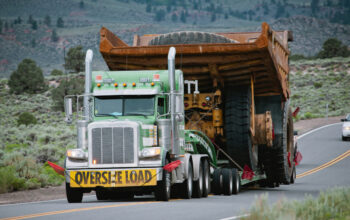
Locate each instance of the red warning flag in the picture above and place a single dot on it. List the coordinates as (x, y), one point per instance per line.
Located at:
(247, 173)
(295, 113)
(58, 169)
(298, 158)
(172, 166)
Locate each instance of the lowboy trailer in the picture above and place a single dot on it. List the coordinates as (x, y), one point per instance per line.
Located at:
(220, 121)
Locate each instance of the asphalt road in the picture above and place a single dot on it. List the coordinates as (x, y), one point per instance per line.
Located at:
(318, 148)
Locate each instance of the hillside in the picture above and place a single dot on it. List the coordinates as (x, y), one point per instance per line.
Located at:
(82, 19)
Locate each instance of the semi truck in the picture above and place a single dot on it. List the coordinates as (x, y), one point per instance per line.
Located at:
(183, 114)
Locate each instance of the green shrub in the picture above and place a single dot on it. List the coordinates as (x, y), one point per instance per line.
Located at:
(26, 118)
(56, 72)
(9, 181)
(317, 85)
(27, 78)
(308, 115)
(333, 48)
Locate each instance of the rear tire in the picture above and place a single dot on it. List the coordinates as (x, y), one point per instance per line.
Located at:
(187, 185)
(227, 182)
(206, 179)
(236, 179)
(74, 195)
(198, 185)
(217, 184)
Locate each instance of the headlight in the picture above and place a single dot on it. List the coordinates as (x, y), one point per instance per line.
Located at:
(150, 152)
(207, 98)
(346, 128)
(77, 154)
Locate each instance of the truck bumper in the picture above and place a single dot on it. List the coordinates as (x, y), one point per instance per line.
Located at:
(113, 178)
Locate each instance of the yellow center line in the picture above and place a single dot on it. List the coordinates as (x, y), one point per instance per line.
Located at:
(325, 165)
(75, 210)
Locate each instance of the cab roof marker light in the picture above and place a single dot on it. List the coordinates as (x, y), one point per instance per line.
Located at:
(133, 84)
(98, 84)
(115, 84)
(124, 84)
(152, 83)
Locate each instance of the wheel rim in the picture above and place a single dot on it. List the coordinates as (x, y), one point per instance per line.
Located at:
(237, 183)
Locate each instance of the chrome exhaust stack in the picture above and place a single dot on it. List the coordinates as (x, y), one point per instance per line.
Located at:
(171, 71)
(88, 61)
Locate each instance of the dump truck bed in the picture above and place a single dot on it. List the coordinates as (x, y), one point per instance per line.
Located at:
(262, 56)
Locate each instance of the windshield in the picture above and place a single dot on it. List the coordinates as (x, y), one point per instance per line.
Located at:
(124, 105)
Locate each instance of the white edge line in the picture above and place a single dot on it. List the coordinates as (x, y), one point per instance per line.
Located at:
(44, 201)
(316, 129)
(235, 217)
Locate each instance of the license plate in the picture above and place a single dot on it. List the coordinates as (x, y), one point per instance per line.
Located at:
(113, 178)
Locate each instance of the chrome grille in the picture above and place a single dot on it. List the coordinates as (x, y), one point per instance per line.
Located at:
(113, 145)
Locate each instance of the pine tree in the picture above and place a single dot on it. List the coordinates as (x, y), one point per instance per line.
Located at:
(60, 23)
(1, 26)
(47, 20)
(183, 17)
(34, 25)
(28, 77)
(30, 19)
(81, 5)
(314, 6)
(54, 36)
(149, 8)
(75, 59)
(174, 17)
(213, 17)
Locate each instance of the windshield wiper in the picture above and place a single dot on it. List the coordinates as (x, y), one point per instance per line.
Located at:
(110, 114)
(137, 114)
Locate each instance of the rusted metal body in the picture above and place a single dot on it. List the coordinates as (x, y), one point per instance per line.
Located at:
(261, 55)
(258, 60)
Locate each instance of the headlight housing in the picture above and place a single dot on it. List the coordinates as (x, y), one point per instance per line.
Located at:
(346, 128)
(77, 154)
(150, 152)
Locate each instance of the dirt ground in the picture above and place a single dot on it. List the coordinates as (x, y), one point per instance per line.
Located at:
(51, 193)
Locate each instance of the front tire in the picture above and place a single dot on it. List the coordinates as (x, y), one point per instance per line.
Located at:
(163, 191)
(74, 195)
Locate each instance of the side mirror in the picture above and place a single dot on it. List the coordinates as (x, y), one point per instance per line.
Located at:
(343, 119)
(295, 133)
(68, 109)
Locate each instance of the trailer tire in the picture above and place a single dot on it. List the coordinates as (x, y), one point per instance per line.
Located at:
(163, 191)
(198, 185)
(189, 37)
(294, 176)
(187, 185)
(217, 184)
(283, 164)
(237, 126)
(74, 195)
(236, 179)
(227, 181)
(206, 179)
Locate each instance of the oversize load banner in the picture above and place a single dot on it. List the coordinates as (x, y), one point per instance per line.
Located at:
(115, 178)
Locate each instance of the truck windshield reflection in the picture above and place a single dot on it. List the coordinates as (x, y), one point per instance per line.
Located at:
(124, 105)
